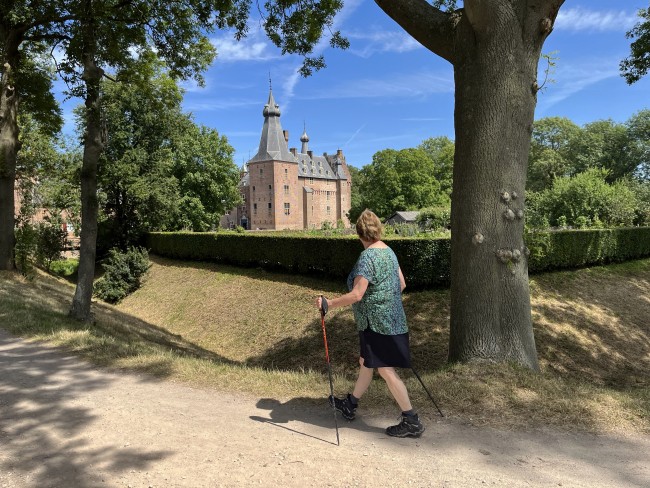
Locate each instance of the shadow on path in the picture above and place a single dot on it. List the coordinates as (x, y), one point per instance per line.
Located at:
(42, 439)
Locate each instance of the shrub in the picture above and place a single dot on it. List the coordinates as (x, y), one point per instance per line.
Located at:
(435, 218)
(583, 200)
(425, 262)
(25, 248)
(123, 272)
(50, 243)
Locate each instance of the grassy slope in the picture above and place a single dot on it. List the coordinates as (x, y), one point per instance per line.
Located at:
(250, 330)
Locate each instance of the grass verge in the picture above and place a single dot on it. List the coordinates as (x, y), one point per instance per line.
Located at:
(254, 331)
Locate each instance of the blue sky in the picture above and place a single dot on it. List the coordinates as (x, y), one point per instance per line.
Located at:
(387, 91)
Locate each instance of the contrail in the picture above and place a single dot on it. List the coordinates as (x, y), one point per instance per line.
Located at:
(353, 136)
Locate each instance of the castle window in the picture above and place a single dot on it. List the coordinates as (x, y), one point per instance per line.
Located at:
(328, 210)
(255, 209)
(311, 181)
(327, 196)
(286, 171)
(286, 189)
(327, 172)
(270, 187)
(253, 187)
(320, 171)
(287, 208)
(261, 171)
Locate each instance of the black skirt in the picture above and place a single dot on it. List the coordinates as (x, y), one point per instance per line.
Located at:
(384, 351)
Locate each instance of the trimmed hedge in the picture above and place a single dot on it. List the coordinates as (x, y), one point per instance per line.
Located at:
(425, 262)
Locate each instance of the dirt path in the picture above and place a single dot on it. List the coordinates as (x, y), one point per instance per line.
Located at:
(64, 423)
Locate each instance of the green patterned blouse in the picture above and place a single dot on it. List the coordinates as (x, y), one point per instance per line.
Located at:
(381, 306)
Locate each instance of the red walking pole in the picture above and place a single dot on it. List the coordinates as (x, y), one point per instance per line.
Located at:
(323, 311)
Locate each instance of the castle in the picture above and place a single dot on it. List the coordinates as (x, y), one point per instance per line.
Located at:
(286, 189)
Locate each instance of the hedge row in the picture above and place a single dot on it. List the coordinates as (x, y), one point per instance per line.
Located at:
(425, 262)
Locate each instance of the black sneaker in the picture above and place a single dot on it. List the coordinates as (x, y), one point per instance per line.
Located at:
(344, 405)
(409, 426)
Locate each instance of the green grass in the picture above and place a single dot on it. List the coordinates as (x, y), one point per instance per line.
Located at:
(254, 331)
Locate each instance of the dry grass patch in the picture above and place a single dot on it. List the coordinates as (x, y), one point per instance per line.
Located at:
(255, 331)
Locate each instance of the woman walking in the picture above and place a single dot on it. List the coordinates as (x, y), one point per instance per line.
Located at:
(375, 292)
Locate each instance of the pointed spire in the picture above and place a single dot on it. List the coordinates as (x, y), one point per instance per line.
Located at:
(273, 146)
(304, 138)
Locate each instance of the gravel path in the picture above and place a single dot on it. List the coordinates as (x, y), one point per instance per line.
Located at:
(64, 423)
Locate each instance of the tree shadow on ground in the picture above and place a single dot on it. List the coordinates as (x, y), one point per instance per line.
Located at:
(134, 336)
(307, 411)
(42, 433)
(607, 342)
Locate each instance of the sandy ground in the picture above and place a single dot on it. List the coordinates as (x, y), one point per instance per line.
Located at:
(64, 423)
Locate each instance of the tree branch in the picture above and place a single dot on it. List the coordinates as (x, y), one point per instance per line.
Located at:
(428, 25)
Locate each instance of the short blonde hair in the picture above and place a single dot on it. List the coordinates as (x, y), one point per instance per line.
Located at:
(369, 227)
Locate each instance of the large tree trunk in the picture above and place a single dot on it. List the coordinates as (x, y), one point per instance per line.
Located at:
(495, 76)
(9, 147)
(494, 46)
(93, 147)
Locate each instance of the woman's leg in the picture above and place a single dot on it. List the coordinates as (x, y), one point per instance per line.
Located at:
(363, 380)
(396, 387)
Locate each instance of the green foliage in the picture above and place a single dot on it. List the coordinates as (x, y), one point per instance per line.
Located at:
(424, 262)
(38, 244)
(50, 243)
(584, 200)
(296, 27)
(123, 273)
(25, 248)
(207, 177)
(634, 67)
(577, 248)
(435, 218)
(64, 267)
(441, 150)
(641, 190)
(399, 180)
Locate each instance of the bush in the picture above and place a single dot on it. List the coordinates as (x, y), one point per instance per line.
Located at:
(123, 272)
(425, 262)
(38, 244)
(435, 218)
(583, 200)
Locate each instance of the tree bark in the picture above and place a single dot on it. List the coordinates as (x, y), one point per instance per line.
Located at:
(9, 146)
(496, 49)
(93, 146)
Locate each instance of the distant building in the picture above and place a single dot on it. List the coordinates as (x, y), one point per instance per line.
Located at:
(404, 217)
(286, 189)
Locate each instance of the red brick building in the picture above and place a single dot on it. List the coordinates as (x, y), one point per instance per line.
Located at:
(286, 189)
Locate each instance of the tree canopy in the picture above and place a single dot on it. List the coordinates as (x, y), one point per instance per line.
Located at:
(636, 65)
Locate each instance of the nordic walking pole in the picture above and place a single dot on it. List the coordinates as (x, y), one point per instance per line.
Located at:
(323, 311)
(425, 389)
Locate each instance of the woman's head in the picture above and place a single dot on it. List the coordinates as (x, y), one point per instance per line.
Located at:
(369, 227)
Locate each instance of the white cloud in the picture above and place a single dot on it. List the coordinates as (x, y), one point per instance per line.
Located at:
(230, 50)
(580, 19)
(381, 42)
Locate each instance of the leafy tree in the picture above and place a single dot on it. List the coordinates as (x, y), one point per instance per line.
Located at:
(638, 127)
(400, 180)
(137, 189)
(585, 200)
(357, 202)
(441, 151)
(207, 177)
(604, 144)
(634, 67)
(494, 47)
(25, 81)
(550, 156)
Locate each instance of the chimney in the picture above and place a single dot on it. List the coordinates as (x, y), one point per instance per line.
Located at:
(310, 153)
(293, 150)
(285, 133)
(339, 152)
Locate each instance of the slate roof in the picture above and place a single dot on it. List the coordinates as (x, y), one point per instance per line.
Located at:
(273, 147)
(406, 216)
